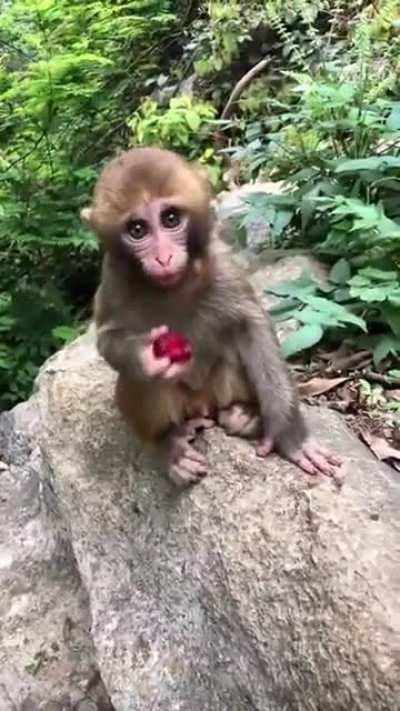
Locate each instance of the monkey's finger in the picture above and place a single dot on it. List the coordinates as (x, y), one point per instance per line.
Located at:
(186, 473)
(159, 366)
(158, 331)
(174, 371)
(199, 468)
(194, 455)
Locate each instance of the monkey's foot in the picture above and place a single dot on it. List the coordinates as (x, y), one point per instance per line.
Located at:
(239, 420)
(314, 459)
(310, 457)
(187, 465)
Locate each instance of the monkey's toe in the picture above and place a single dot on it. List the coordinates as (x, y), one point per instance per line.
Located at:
(315, 460)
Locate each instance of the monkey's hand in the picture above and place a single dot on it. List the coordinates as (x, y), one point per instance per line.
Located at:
(161, 368)
(309, 456)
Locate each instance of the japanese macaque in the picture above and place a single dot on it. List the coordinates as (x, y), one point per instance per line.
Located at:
(163, 271)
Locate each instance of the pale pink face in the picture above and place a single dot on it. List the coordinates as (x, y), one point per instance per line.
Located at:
(156, 235)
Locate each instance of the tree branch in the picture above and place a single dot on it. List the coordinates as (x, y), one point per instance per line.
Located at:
(241, 86)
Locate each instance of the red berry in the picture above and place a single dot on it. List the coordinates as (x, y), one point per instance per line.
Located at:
(173, 345)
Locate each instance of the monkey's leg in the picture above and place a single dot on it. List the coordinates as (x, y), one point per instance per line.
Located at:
(237, 409)
(156, 412)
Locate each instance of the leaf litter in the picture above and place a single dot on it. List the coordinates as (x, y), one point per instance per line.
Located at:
(369, 399)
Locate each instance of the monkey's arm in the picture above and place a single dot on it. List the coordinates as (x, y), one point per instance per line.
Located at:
(120, 348)
(119, 342)
(267, 371)
(284, 427)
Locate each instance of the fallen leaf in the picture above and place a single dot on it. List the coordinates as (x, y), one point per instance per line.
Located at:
(381, 447)
(318, 386)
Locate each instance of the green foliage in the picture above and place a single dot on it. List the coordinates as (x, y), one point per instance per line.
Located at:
(368, 301)
(183, 126)
(70, 76)
(334, 135)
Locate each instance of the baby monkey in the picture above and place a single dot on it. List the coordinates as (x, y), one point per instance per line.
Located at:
(163, 271)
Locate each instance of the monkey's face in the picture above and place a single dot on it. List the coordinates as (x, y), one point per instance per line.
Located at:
(156, 236)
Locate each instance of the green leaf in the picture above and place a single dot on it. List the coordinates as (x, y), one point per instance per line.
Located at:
(385, 346)
(311, 316)
(332, 309)
(393, 120)
(373, 163)
(193, 120)
(369, 293)
(284, 310)
(295, 288)
(340, 272)
(392, 315)
(378, 274)
(282, 219)
(65, 334)
(302, 339)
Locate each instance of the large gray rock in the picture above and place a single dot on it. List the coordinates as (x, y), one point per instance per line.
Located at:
(253, 590)
(47, 658)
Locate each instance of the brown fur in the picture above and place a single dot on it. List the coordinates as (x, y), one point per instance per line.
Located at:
(162, 173)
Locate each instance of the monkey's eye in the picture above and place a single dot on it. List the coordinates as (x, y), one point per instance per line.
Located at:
(170, 218)
(137, 228)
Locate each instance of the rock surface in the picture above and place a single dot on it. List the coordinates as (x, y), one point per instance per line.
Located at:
(231, 205)
(251, 591)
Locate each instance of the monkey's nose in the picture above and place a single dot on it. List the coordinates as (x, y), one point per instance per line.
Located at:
(164, 261)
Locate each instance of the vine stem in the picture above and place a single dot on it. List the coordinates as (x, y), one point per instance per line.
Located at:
(241, 86)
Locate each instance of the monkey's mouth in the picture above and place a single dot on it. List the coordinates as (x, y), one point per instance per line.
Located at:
(170, 279)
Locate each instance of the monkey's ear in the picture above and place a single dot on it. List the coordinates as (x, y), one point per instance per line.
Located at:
(86, 216)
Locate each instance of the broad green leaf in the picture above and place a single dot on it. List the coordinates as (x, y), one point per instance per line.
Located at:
(302, 339)
(282, 219)
(311, 316)
(385, 346)
(283, 310)
(392, 316)
(378, 274)
(359, 281)
(65, 334)
(393, 120)
(341, 295)
(337, 310)
(295, 288)
(370, 294)
(340, 272)
(373, 163)
(193, 120)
